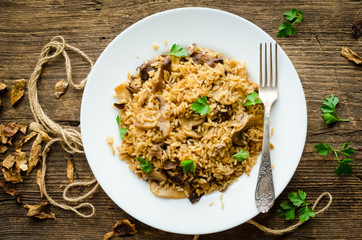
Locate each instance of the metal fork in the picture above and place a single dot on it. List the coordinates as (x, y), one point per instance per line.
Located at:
(268, 93)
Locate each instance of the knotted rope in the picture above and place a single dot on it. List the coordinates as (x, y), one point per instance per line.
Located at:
(293, 227)
(70, 138)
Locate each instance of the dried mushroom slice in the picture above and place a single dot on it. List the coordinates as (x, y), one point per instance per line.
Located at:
(8, 162)
(122, 227)
(350, 55)
(25, 140)
(34, 126)
(70, 170)
(21, 162)
(34, 154)
(10, 188)
(40, 211)
(17, 91)
(23, 128)
(60, 88)
(10, 129)
(39, 182)
(2, 87)
(12, 175)
(3, 148)
(3, 139)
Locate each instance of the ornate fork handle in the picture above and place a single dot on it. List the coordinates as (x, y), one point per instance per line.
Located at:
(264, 194)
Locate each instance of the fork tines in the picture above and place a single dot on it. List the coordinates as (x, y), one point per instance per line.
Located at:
(268, 77)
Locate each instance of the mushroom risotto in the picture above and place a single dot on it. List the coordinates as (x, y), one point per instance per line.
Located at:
(191, 122)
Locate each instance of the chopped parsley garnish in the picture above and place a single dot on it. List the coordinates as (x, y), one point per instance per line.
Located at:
(201, 106)
(344, 166)
(188, 165)
(122, 130)
(242, 155)
(296, 200)
(252, 99)
(145, 165)
(178, 51)
(287, 28)
(329, 110)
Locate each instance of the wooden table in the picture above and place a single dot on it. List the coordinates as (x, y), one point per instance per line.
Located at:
(26, 26)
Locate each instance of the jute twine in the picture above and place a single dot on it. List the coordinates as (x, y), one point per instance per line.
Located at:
(71, 138)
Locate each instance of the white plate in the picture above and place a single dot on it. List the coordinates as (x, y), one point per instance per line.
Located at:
(217, 30)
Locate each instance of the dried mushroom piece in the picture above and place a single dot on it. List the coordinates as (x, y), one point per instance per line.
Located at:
(2, 87)
(25, 140)
(17, 91)
(21, 162)
(8, 162)
(70, 170)
(3, 148)
(34, 126)
(40, 211)
(10, 129)
(39, 181)
(357, 28)
(34, 154)
(3, 139)
(60, 88)
(10, 188)
(12, 175)
(23, 128)
(122, 227)
(350, 55)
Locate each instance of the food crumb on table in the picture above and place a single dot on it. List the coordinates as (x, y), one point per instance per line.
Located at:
(165, 41)
(222, 205)
(211, 204)
(221, 196)
(155, 46)
(272, 166)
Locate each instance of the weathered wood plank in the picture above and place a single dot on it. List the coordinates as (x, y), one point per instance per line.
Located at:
(26, 26)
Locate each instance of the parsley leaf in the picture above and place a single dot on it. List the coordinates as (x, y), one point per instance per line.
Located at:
(178, 51)
(287, 28)
(188, 166)
(297, 200)
(201, 106)
(323, 148)
(252, 99)
(242, 155)
(145, 165)
(122, 130)
(305, 212)
(329, 110)
(343, 165)
(286, 211)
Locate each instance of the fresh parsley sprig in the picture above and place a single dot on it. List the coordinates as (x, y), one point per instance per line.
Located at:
(252, 99)
(178, 51)
(344, 165)
(122, 130)
(296, 200)
(241, 155)
(188, 166)
(200, 106)
(287, 28)
(329, 110)
(145, 165)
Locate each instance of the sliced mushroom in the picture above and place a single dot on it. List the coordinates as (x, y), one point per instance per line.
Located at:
(165, 66)
(156, 151)
(194, 198)
(242, 120)
(201, 58)
(120, 106)
(188, 124)
(169, 165)
(154, 175)
(145, 68)
(165, 126)
(147, 119)
(122, 93)
(166, 193)
(132, 86)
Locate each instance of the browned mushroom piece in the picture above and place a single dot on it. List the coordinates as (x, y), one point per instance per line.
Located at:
(156, 151)
(165, 126)
(193, 197)
(244, 123)
(166, 193)
(132, 86)
(122, 93)
(147, 119)
(188, 124)
(165, 66)
(242, 120)
(169, 165)
(201, 58)
(154, 175)
(145, 68)
(164, 123)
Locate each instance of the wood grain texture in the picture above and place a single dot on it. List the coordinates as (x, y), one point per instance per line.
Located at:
(26, 26)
